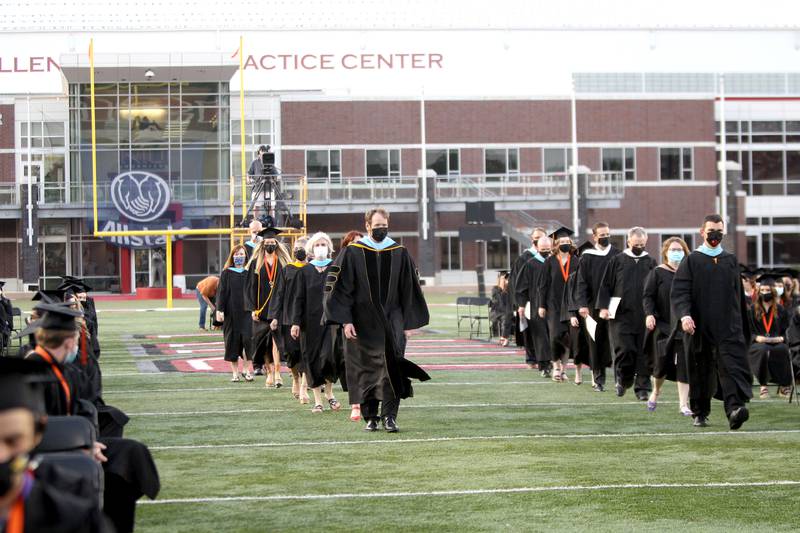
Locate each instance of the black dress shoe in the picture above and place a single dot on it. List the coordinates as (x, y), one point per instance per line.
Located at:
(545, 373)
(372, 425)
(390, 425)
(258, 372)
(738, 417)
(700, 422)
(642, 396)
(597, 387)
(620, 389)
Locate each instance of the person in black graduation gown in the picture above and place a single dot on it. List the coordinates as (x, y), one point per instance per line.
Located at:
(624, 279)
(34, 498)
(263, 271)
(769, 354)
(127, 464)
(373, 292)
(500, 314)
(80, 289)
(658, 318)
(322, 357)
(552, 284)
(793, 341)
(251, 244)
(6, 319)
(279, 313)
(237, 324)
(591, 267)
(518, 276)
(527, 297)
(708, 299)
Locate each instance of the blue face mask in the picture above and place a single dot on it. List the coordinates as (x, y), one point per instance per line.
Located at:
(675, 256)
(71, 356)
(238, 261)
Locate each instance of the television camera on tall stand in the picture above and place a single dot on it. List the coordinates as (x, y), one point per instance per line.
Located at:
(268, 196)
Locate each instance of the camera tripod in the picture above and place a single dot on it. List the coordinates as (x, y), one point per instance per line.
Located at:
(274, 201)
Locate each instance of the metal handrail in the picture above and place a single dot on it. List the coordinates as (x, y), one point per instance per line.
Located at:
(357, 189)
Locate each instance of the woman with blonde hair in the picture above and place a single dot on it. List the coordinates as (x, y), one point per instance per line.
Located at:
(237, 325)
(280, 316)
(656, 303)
(322, 355)
(263, 271)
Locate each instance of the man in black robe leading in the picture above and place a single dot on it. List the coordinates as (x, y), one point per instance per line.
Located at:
(707, 298)
(373, 291)
(588, 277)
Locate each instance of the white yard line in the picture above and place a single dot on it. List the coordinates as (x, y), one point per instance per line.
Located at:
(407, 406)
(474, 492)
(244, 386)
(568, 436)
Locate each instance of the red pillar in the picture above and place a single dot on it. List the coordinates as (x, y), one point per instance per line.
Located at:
(126, 286)
(177, 257)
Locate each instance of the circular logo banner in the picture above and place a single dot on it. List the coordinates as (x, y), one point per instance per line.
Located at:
(140, 196)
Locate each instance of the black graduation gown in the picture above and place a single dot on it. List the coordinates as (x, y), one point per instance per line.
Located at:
(6, 322)
(527, 291)
(50, 509)
(770, 362)
(656, 302)
(129, 472)
(709, 289)
(500, 312)
(591, 268)
(321, 358)
(578, 336)
(237, 326)
(90, 316)
(259, 290)
(793, 340)
(377, 291)
(513, 279)
(280, 308)
(551, 297)
(249, 248)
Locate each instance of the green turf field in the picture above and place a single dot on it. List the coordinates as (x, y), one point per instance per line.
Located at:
(477, 451)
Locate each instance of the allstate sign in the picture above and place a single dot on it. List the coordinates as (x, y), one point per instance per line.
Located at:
(140, 196)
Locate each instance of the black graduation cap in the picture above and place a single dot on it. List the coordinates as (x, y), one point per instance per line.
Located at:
(58, 317)
(563, 231)
(74, 285)
(748, 271)
(787, 272)
(269, 233)
(587, 245)
(30, 329)
(2, 284)
(21, 382)
(49, 295)
(769, 277)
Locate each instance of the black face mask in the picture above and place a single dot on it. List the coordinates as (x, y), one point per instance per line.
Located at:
(8, 470)
(714, 237)
(637, 250)
(564, 248)
(545, 254)
(270, 248)
(378, 234)
(603, 241)
(300, 254)
(767, 296)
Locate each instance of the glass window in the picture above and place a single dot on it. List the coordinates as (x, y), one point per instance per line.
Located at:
(793, 171)
(498, 161)
(785, 248)
(497, 254)
(450, 248)
(620, 160)
(676, 163)
(767, 172)
(445, 162)
(323, 163)
(383, 163)
(556, 159)
(767, 131)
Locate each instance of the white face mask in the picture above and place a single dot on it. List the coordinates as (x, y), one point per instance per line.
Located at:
(320, 252)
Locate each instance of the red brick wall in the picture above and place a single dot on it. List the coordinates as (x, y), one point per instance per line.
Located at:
(338, 123)
(645, 120)
(7, 170)
(497, 121)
